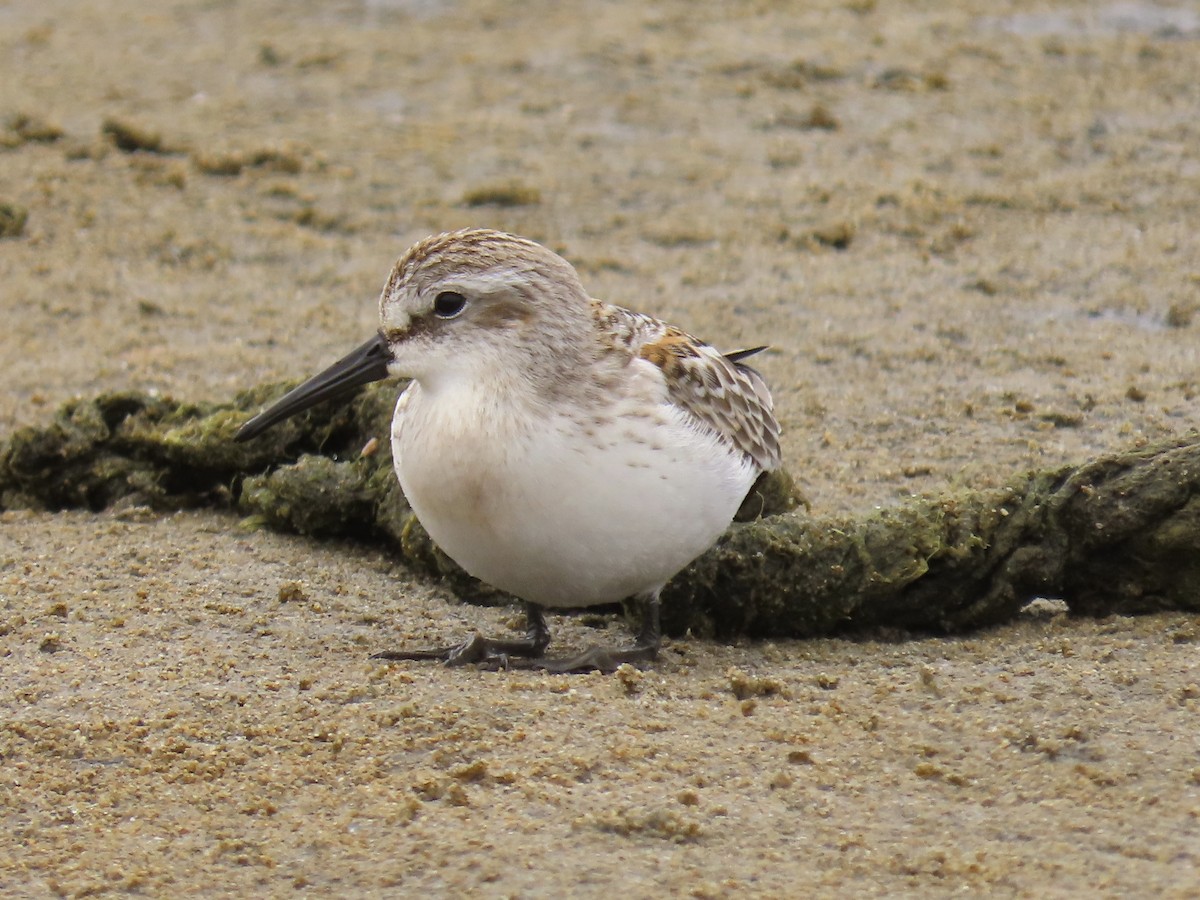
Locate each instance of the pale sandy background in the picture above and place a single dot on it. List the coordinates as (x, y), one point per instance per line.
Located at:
(970, 233)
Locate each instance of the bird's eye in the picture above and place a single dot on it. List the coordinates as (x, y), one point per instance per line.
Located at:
(449, 304)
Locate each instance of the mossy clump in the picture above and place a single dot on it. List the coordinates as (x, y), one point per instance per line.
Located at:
(505, 194)
(131, 138)
(32, 129)
(12, 220)
(316, 496)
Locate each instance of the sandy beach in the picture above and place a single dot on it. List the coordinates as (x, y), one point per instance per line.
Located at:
(969, 235)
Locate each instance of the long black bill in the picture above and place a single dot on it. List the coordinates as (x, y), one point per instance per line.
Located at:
(366, 364)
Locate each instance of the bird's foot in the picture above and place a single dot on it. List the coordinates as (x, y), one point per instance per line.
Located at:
(488, 652)
(594, 659)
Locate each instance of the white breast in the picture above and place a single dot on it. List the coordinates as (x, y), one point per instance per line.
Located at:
(563, 510)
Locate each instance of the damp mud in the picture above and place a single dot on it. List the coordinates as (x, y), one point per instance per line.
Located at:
(968, 234)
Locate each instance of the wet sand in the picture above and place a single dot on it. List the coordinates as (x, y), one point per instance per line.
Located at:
(969, 236)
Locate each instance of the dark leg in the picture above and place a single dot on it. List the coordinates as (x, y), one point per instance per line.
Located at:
(491, 651)
(644, 650)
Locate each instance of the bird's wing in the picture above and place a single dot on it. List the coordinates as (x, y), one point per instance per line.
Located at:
(720, 392)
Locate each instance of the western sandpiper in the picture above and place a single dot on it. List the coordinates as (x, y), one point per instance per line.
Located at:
(562, 449)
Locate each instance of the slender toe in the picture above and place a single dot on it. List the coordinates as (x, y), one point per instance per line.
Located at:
(494, 652)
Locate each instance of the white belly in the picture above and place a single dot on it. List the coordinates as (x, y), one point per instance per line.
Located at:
(563, 517)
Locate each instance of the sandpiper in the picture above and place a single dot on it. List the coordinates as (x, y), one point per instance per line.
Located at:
(562, 449)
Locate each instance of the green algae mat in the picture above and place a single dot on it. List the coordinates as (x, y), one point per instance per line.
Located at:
(1118, 534)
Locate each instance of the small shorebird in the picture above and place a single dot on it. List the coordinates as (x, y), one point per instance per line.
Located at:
(567, 451)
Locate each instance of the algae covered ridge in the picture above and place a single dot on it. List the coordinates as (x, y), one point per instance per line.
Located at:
(1119, 534)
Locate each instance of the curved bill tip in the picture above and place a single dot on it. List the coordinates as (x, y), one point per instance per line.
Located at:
(362, 366)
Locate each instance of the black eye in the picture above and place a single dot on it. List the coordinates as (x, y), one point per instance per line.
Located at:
(449, 304)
